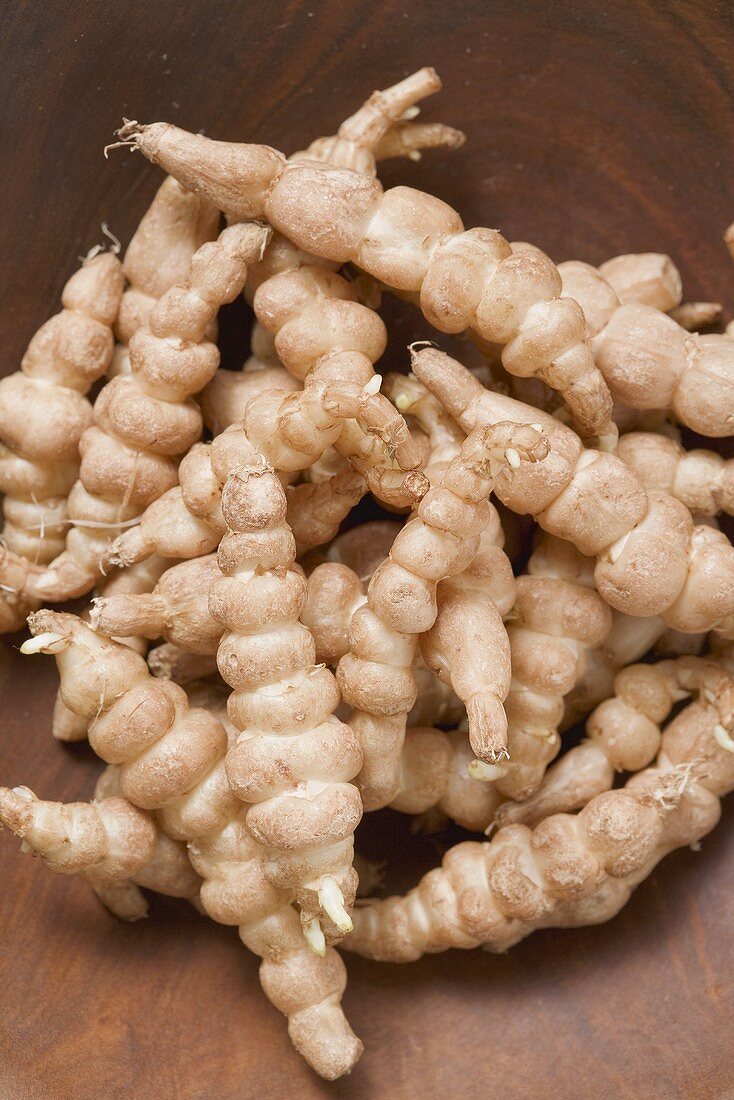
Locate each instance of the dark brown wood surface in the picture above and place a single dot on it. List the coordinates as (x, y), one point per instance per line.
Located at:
(594, 128)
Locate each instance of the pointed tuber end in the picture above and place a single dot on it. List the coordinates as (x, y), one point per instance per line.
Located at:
(43, 643)
(314, 937)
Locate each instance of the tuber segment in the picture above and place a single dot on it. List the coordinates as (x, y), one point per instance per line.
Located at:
(294, 759)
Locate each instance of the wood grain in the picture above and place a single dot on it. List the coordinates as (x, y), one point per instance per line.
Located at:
(594, 128)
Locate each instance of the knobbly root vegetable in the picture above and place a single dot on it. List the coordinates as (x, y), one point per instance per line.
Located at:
(138, 723)
(650, 559)
(146, 420)
(158, 256)
(433, 771)
(338, 587)
(433, 767)
(467, 645)
(319, 328)
(555, 619)
(647, 278)
(702, 480)
(408, 240)
(569, 870)
(186, 522)
(243, 796)
(142, 578)
(440, 541)
(623, 735)
(339, 337)
(316, 510)
(382, 128)
(177, 609)
(305, 986)
(175, 225)
(112, 844)
(649, 361)
(436, 775)
(43, 415)
(629, 639)
(171, 759)
(292, 431)
(294, 759)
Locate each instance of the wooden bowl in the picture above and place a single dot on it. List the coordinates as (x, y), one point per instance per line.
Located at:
(593, 129)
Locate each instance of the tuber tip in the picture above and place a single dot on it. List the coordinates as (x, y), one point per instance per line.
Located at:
(42, 643)
(314, 937)
(331, 901)
(487, 773)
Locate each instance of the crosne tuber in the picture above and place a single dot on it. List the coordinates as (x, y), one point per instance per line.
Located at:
(463, 638)
(337, 587)
(169, 662)
(321, 332)
(648, 278)
(294, 759)
(158, 256)
(702, 480)
(141, 578)
(628, 641)
(303, 304)
(467, 645)
(177, 607)
(44, 413)
(223, 400)
(111, 843)
(554, 618)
